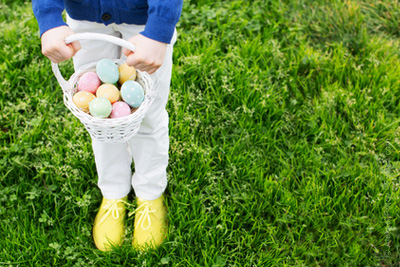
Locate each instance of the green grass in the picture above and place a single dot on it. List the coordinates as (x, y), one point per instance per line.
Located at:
(285, 141)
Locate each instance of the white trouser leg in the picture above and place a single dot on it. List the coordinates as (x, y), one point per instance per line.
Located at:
(150, 146)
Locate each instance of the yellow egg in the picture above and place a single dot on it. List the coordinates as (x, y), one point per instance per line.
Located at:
(108, 91)
(126, 73)
(82, 100)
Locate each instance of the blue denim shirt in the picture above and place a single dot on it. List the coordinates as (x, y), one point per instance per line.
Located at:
(159, 16)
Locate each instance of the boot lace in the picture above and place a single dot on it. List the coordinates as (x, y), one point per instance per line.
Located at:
(143, 211)
(112, 208)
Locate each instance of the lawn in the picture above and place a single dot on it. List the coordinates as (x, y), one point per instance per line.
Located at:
(285, 141)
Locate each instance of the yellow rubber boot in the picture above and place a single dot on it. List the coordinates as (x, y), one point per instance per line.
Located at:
(150, 223)
(108, 229)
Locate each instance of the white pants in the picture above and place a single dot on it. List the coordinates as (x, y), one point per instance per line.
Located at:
(149, 148)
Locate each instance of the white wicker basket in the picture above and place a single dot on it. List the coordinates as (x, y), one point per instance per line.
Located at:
(117, 130)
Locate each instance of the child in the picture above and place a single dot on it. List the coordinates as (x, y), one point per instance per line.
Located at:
(150, 25)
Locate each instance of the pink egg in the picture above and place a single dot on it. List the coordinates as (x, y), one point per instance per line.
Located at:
(120, 109)
(89, 82)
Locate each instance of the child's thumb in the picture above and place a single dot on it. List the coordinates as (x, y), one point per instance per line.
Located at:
(76, 46)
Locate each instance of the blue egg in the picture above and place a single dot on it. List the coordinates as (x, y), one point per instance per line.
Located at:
(132, 93)
(107, 71)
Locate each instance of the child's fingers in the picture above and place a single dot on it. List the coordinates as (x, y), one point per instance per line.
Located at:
(60, 53)
(58, 57)
(144, 64)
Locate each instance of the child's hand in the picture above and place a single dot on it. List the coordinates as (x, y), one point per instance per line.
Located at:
(54, 47)
(148, 56)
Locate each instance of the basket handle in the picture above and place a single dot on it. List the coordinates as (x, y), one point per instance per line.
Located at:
(100, 37)
(89, 36)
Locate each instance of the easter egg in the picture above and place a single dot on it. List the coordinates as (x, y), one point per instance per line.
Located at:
(108, 91)
(107, 71)
(126, 73)
(82, 99)
(120, 109)
(100, 107)
(132, 93)
(89, 82)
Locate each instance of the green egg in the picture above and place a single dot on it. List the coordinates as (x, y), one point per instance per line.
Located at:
(100, 107)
